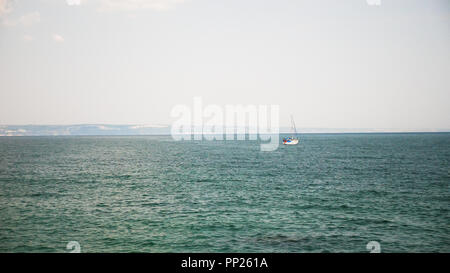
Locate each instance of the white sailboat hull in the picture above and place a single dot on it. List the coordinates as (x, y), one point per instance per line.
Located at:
(292, 142)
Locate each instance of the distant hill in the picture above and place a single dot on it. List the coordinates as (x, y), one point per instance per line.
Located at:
(111, 130)
(83, 129)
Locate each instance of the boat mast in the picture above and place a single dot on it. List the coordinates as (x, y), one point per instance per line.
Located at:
(293, 126)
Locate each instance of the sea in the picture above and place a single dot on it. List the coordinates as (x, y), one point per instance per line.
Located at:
(329, 193)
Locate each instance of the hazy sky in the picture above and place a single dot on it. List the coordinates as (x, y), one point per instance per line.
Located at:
(334, 64)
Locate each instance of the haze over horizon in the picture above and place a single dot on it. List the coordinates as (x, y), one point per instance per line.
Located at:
(331, 64)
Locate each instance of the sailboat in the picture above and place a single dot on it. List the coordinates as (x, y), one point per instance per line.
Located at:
(291, 140)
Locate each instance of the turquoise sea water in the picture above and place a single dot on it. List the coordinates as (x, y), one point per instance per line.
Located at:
(330, 193)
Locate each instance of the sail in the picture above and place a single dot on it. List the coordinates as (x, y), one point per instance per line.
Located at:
(293, 126)
(291, 140)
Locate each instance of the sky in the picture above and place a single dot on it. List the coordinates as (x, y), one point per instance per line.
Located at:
(330, 64)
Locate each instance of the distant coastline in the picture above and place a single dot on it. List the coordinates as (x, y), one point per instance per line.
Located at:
(124, 130)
